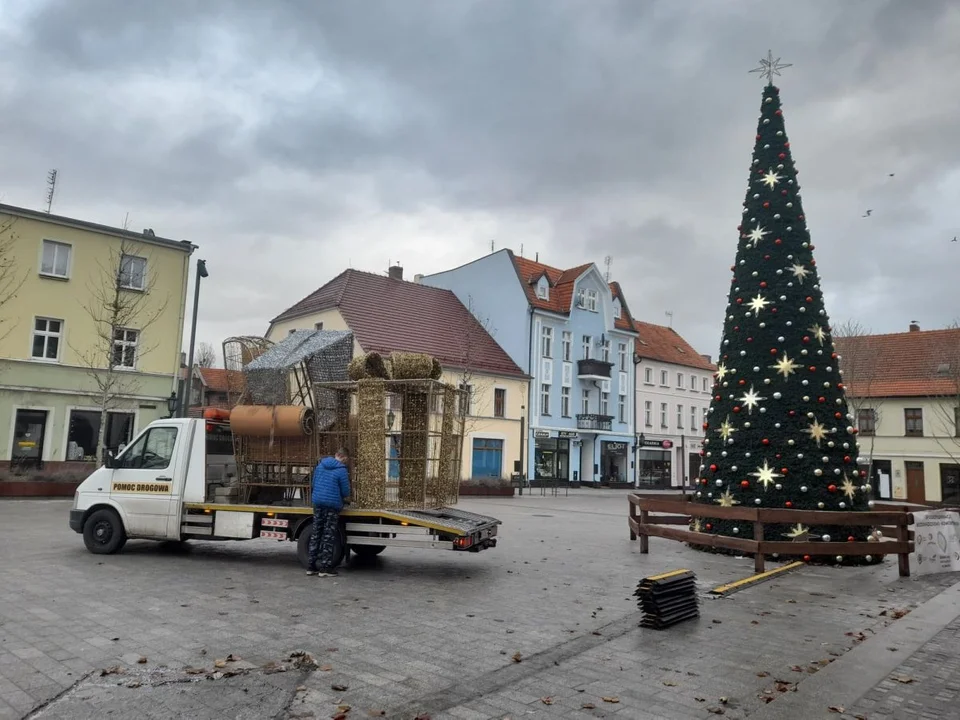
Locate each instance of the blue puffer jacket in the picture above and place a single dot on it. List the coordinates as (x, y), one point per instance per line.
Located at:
(331, 484)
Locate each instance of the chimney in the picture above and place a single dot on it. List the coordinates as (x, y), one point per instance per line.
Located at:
(914, 327)
(395, 272)
(707, 358)
(418, 278)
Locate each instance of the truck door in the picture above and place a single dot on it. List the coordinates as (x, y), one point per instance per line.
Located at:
(143, 482)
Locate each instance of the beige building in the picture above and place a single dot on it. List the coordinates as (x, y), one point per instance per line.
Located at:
(904, 390)
(386, 314)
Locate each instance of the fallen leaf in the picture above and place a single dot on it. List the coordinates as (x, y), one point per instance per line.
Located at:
(326, 668)
(547, 700)
(836, 709)
(194, 671)
(142, 660)
(767, 698)
(516, 657)
(219, 663)
(716, 710)
(897, 614)
(792, 602)
(376, 713)
(114, 639)
(339, 716)
(754, 622)
(338, 687)
(217, 675)
(904, 679)
(233, 658)
(203, 651)
(796, 668)
(343, 708)
(763, 673)
(301, 688)
(613, 700)
(716, 622)
(133, 684)
(115, 670)
(588, 706)
(669, 684)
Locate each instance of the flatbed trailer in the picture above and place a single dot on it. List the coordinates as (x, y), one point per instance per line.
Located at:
(157, 489)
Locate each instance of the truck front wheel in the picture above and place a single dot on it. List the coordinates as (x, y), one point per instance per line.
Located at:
(303, 545)
(103, 532)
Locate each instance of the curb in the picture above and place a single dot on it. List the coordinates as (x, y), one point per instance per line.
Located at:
(849, 678)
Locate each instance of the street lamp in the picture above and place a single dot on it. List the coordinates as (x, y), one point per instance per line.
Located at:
(391, 418)
(172, 402)
(201, 273)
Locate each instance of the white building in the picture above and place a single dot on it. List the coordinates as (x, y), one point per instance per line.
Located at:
(674, 383)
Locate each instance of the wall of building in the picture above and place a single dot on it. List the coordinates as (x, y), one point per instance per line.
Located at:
(490, 288)
(938, 450)
(684, 434)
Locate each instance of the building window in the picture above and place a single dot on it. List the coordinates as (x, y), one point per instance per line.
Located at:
(867, 421)
(125, 348)
(544, 399)
(133, 272)
(622, 408)
(46, 339)
(83, 433)
(466, 399)
(546, 342)
(587, 344)
(565, 402)
(664, 378)
(706, 384)
(543, 289)
(566, 341)
(679, 417)
(663, 415)
(499, 402)
(648, 376)
(950, 484)
(648, 413)
(913, 418)
(693, 417)
(585, 403)
(604, 403)
(55, 261)
(693, 382)
(680, 381)
(622, 354)
(605, 351)
(318, 326)
(703, 416)
(616, 309)
(587, 300)
(487, 457)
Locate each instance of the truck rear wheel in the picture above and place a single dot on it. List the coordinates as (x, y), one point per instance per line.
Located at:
(303, 545)
(103, 532)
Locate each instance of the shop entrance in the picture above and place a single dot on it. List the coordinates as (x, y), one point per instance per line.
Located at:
(613, 462)
(552, 459)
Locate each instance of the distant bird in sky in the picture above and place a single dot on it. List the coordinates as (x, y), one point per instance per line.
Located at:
(868, 213)
(954, 239)
(890, 175)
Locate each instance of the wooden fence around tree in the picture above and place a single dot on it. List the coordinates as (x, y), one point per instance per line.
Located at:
(679, 511)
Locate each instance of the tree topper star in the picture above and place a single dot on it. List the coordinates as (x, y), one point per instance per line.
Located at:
(817, 432)
(799, 272)
(770, 67)
(758, 303)
(785, 366)
(818, 332)
(765, 475)
(751, 399)
(848, 488)
(756, 235)
(771, 179)
(726, 499)
(726, 429)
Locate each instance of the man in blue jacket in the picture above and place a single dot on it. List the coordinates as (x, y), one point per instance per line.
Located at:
(331, 487)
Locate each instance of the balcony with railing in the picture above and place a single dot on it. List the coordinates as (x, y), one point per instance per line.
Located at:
(593, 369)
(592, 421)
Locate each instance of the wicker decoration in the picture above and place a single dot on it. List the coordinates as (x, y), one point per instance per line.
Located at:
(412, 366)
(370, 469)
(367, 366)
(443, 485)
(414, 431)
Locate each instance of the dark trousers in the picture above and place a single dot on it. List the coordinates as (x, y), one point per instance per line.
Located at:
(324, 538)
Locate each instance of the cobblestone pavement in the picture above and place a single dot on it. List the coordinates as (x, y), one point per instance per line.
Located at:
(926, 685)
(417, 631)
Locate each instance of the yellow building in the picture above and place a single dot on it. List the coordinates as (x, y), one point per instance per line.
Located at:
(91, 319)
(386, 314)
(904, 390)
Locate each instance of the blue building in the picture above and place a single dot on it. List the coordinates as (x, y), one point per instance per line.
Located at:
(572, 332)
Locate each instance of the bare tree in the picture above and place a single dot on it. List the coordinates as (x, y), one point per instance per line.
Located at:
(860, 365)
(479, 390)
(123, 306)
(11, 280)
(946, 404)
(205, 355)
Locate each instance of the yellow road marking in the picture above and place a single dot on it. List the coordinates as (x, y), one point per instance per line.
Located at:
(740, 584)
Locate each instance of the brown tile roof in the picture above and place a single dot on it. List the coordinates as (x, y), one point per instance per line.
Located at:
(908, 364)
(220, 380)
(562, 284)
(664, 344)
(386, 315)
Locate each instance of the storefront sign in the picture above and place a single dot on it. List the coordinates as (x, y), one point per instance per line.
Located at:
(568, 434)
(665, 444)
(616, 446)
(541, 433)
(937, 542)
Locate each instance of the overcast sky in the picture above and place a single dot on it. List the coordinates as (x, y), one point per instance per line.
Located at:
(292, 139)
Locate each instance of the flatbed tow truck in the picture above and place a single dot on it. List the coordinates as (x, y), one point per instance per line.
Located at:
(159, 488)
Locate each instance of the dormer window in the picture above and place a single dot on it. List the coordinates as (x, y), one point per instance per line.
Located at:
(587, 300)
(616, 308)
(543, 288)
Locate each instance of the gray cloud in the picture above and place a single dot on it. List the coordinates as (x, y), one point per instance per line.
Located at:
(294, 138)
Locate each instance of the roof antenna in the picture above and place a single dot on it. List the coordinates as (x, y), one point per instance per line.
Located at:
(521, 249)
(669, 314)
(607, 261)
(491, 246)
(51, 188)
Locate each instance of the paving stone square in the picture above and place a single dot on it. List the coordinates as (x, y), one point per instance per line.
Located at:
(418, 632)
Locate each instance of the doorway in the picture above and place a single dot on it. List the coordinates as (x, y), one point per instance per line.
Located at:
(28, 435)
(693, 468)
(916, 490)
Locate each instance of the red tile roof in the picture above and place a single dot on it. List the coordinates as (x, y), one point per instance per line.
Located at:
(664, 344)
(221, 380)
(386, 315)
(625, 321)
(909, 364)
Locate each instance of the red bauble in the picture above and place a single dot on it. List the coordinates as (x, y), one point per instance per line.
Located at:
(713, 468)
(851, 538)
(846, 458)
(839, 386)
(838, 415)
(833, 356)
(749, 339)
(805, 338)
(783, 471)
(783, 192)
(705, 426)
(788, 504)
(787, 144)
(809, 299)
(812, 368)
(813, 262)
(778, 241)
(777, 456)
(717, 398)
(773, 310)
(821, 399)
(739, 301)
(773, 351)
(832, 488)
(782, 155)
(736, 408)
(765, 441)
(806, 558)
(792, 413)
(709, 526)
(863, 473)
(766, 204)
(763, 283)
(742, 382)
(744, 483)
(766, 257)
(778, 112)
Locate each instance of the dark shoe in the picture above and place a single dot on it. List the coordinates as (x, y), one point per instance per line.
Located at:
(311, 571)
(327, 573)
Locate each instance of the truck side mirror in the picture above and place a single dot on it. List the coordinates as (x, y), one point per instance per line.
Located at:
(109, 460)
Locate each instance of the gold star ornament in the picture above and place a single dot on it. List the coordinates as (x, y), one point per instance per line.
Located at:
(799, 272)
(751, 399)
(722, 372)
(848, 488)
(756, 235)
(758, 303)
(765, 475)
(798, 533)
(726, 499)
(818, 332)
(817, 432)
(771, 179)
(697, 525)
(726, 429)
(785, 366)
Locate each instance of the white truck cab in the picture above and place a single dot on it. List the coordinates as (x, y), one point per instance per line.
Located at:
(163, 487)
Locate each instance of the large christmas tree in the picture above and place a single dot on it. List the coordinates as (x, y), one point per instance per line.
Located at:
(779, 433)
